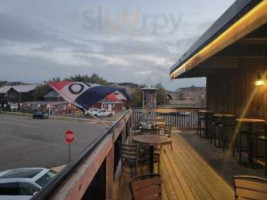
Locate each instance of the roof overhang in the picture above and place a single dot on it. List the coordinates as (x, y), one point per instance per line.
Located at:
(250, 21)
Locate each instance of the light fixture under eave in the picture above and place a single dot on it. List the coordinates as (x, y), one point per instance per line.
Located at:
(259, 81)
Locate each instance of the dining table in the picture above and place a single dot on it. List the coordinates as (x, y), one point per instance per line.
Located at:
(152, 141)
(250, 122)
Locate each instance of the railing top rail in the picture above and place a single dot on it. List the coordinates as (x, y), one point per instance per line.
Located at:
(45, 192)
(172, 109)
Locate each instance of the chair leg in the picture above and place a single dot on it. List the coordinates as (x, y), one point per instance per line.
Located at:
(211, 133)
(159, 164)
(265, 157)
(240, 148)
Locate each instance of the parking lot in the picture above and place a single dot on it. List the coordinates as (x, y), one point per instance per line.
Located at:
(27, 142)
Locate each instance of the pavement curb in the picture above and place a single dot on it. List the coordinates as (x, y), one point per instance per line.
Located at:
(55, 117)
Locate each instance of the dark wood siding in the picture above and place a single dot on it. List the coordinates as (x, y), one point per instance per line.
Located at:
(233, 90)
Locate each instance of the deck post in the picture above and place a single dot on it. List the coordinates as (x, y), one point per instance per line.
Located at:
(123, 134)
(110, 174)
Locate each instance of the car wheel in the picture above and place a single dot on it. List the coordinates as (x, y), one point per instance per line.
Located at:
(110, 115)
(95, 115)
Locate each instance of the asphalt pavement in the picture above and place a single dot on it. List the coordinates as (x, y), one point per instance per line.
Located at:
(27, 142)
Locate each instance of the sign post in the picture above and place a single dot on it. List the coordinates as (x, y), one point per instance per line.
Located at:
(69, 138)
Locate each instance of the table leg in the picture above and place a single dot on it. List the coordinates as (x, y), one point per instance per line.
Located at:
(250, 145)
(206, 124)
(151, 150)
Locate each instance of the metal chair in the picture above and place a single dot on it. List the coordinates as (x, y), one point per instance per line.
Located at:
(228, 131)
(201, 120)
(206, 120)
(146, 187)
(257, 136)
(250, 187)
(260, 139)
(215, 130)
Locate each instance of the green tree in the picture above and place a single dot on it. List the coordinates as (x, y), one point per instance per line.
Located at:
(136, 100)
(43, 89)
(94, 78)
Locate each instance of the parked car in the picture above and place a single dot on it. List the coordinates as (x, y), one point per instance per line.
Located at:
(40, 115)
(93, 110)
(103, 113)
(23, 183)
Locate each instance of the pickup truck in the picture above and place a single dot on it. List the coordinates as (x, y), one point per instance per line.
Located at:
(102, 113)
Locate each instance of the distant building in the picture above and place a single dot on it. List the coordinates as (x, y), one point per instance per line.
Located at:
(53, 96)
(12, 96)
(52, 107)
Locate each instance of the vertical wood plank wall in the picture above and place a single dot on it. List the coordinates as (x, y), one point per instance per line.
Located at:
(229, 90)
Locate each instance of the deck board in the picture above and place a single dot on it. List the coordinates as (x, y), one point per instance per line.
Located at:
(186, 175)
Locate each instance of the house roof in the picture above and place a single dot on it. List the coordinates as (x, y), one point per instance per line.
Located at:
(237, 11)
(51, 103)
(24, 88)
(52, 94)
(18, 88)
(4, 89)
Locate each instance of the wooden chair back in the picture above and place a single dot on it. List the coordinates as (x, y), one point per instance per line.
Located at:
(168, 130)
(160, 128)
(250, 187)
(147, 187)
(129, 154)
(151, 131)
(160, 119)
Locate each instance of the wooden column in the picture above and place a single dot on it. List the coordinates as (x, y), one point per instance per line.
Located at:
(110, 174)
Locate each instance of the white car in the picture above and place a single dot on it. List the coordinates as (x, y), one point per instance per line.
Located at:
(93, 110)
(23, 183)
(103, 113)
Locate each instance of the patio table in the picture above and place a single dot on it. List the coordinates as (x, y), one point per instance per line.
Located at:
(223, 115)
(250, 122)
(152, 141)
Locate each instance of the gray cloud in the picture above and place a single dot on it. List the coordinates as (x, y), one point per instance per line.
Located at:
(45, 39)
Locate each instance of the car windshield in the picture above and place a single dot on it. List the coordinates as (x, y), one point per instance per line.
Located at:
(46, 178)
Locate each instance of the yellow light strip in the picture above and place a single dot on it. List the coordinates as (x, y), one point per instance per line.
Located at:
(248, 23)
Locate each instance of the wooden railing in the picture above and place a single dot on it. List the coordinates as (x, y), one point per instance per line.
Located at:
(92, 175)
(95, 172)
(180, 118)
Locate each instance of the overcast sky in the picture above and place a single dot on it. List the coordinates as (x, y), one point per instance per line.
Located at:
(121, 40)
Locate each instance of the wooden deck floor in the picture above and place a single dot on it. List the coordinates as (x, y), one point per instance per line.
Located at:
(186, 175)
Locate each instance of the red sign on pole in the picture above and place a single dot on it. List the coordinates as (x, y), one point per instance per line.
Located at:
(69, 137)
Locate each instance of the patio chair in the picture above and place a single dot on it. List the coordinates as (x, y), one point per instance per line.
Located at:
(204, 119)
(260, 139)
(216, 123)
(136, 128)
(201, 120)
(168, 132)
(130, 158)
(228, 131)
(160, 128)
(250, 187)
(160, 119)
(146, 187)
(152, 131)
